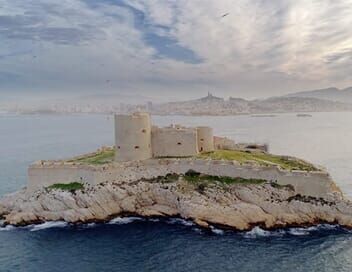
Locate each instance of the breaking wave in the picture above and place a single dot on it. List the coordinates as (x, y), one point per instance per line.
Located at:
(124, 220)
(48, 225)
(216, 231)
(257, 232)
(180, 221)
(154, 220)
(7, 228)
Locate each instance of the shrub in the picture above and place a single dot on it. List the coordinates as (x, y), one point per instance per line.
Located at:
(72, 187)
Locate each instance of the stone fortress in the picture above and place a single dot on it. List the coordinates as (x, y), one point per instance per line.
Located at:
(137, 139)
(179, 172)
(144, 151)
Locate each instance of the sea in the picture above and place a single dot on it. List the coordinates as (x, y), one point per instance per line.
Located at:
(138, 244)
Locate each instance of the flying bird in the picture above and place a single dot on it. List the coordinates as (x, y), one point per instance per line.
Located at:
(224, 15)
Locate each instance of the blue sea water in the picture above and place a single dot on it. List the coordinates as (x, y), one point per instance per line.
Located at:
(136, 244)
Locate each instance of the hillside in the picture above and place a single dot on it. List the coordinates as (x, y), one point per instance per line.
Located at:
(211, 105)
(333, 94)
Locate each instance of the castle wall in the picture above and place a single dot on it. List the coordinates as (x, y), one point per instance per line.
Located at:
(317, 184)
(174, 142)
(205, 139)
(223, 143)
(133, 137)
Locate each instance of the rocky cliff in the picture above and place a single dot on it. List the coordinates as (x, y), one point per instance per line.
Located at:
(238, 205)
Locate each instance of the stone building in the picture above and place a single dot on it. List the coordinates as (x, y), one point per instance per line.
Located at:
(136, 139)
(133, 140)
(174, 141)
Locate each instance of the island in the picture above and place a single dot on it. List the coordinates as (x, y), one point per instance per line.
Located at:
(178, 171)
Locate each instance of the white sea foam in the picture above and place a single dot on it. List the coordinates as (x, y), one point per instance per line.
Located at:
(257, 232)
(198, 230)
(154, 220)
(327, 227)
(180, 221)
(7, 228)
(89, 225)
(217, 231)
(48, 225)
(124, 220)
(299, 231)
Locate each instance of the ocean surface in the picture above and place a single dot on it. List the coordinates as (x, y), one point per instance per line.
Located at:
(136, 244)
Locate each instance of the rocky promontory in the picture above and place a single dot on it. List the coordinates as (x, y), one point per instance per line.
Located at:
(234, 203)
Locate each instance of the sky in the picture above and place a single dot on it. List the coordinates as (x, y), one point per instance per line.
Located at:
(173, 48)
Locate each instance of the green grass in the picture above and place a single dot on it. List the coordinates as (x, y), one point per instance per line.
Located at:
(261, 158)
(101, 157)
(73, 186)
(202, 181)
(195, 177)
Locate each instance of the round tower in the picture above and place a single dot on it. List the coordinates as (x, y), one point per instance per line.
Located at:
(133, 137)
(205, 139)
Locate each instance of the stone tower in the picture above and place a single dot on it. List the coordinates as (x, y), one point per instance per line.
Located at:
(133, 137)
(205, 139)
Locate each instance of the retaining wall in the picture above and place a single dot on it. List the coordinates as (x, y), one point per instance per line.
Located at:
(317, 184)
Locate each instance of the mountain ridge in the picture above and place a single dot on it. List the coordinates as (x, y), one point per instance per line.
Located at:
(331, 93)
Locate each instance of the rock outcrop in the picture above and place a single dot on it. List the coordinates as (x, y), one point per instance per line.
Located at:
(236, 206)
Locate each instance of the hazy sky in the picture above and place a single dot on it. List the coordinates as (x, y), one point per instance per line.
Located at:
(174, 48)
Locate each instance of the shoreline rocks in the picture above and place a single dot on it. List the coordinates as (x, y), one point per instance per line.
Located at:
(237, 206)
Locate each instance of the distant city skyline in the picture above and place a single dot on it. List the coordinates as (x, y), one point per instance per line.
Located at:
(170, 50)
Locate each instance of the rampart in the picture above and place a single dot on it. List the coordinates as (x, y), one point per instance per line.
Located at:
(174, 141)
(44, 174)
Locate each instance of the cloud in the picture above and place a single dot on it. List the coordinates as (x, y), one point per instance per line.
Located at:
(176, 47)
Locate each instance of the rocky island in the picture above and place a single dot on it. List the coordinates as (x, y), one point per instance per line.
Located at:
(179, 172)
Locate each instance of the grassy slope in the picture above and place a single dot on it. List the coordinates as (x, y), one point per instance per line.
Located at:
(260, 158)
(101, 157)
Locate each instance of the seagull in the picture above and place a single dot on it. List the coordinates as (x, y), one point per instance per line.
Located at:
(226, 14)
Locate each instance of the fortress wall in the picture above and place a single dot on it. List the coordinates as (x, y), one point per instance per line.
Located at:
(223, 143)
(39, 177)
(317, 184)
(133, 137)
(314, 183)
(174, 142)
(205, 139)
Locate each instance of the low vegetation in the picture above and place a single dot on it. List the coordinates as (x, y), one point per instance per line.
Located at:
(103, 156)
(196, 177)
(260, 158)
(72, 187)
(193, 176)
(169, 178)
(279, 186)
(202, 181)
